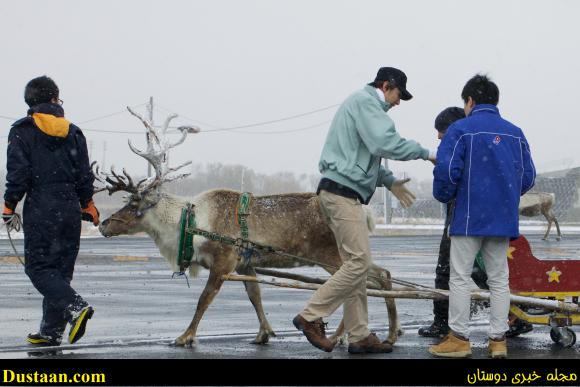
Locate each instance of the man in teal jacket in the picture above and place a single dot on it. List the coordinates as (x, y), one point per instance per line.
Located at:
(361, 134)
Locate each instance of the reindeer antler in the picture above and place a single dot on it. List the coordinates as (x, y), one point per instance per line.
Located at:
(158, 146)
(115, 182)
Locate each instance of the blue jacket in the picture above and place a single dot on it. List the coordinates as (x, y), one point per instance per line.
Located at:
(484, 162)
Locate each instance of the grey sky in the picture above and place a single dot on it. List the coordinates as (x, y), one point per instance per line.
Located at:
(231, 63)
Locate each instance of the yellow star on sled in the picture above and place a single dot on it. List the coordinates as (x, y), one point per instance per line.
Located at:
(510, 251)
(553, 274)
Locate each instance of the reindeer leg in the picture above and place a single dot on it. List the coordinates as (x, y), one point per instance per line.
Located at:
(253, 290)
(558, 229)
(212, 287)
(380, 279)
(394, 324)
(339, 336)
(548, 230)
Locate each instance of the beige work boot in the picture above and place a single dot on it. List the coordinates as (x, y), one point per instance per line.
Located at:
(497, 349)
(451, 346)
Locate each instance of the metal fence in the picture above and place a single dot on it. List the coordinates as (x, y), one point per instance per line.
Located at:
(563, 184)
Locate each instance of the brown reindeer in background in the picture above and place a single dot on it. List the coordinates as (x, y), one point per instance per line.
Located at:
(292, 223)
(536, 203)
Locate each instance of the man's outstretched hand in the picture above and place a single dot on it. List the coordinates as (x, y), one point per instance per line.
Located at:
(401, 192)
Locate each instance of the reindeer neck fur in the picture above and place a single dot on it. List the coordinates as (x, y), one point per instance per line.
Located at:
(161, 223)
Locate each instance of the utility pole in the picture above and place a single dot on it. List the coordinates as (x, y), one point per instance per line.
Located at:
(387, 211)
(104, 154)
(150, 110)
(404, 210)
(242, 185)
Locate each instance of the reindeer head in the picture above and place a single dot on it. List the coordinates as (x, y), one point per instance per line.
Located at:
(146, 194)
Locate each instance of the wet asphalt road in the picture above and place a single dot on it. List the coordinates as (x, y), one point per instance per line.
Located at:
(139, 309)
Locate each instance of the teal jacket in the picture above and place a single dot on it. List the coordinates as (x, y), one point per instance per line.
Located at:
(360, 134)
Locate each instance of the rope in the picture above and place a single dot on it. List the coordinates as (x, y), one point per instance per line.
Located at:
(179, 274)
(14, 224)
(253, 246)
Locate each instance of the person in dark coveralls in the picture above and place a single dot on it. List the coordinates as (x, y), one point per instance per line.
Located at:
(439, 327)
(484, 162)
(47, 160)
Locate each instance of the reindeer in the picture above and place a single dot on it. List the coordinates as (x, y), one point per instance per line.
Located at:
(536, 203)
(292, 223)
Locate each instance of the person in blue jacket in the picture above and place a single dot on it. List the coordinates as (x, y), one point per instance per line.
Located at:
(47, 160)
(439, 327)
(484, 163)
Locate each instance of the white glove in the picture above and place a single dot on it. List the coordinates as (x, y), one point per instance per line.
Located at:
(433, 156)
(401, 192)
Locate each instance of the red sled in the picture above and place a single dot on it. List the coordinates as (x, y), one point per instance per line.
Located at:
(548, 279)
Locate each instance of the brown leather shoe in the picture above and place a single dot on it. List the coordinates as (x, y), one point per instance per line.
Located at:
(370, 344)
(314, 332)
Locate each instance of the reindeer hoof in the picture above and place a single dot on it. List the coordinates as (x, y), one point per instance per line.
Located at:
(558, 239)
(338, 340)
(392, 339)
(184, 341)
(261, 340)
(264, 336)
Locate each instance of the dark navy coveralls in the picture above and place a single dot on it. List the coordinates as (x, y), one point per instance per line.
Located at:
(48, 161)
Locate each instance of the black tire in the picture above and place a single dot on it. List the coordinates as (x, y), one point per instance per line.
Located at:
(566, 340)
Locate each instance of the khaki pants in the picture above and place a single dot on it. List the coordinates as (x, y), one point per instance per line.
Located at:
(463, 251)
(347, 286)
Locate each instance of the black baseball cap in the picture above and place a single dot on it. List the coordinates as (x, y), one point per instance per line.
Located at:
(396, 78)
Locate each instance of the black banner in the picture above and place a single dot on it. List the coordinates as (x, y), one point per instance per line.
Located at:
(290, 372)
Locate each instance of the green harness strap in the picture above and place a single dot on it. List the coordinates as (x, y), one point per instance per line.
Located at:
(479, 260)
(242, 211)
(185, 250)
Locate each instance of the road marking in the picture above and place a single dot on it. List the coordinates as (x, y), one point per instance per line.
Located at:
(10, 260)
(129, 258)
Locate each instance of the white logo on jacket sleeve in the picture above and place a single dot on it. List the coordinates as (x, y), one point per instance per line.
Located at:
(496, 140)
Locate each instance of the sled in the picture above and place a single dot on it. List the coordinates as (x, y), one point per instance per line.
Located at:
(547, 279)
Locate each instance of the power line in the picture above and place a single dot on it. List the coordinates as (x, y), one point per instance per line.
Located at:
(280, 119)
(222, 129)
(111, 131)
(288, 130)
(110, 115)
(92, 119)
(186, 117)
(216, 128)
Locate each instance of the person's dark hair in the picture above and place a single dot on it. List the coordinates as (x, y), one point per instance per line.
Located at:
(481, 89)
(447, 117)
(379, 85)
(40, 90)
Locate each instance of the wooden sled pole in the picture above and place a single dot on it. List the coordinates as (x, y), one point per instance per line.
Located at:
(419, 294)
(310, 280)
